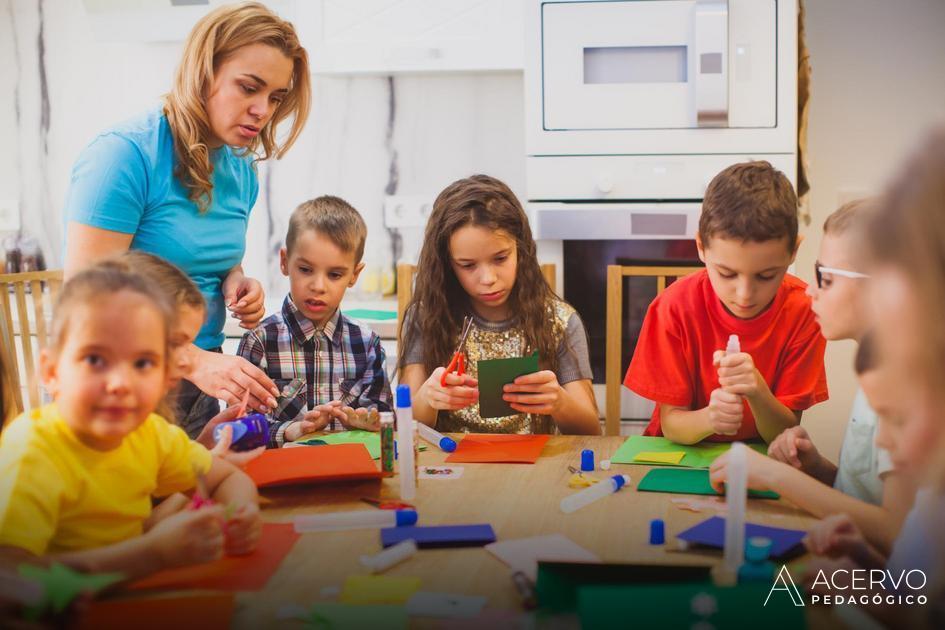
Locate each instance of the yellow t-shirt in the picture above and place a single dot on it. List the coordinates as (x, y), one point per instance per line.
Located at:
(56, 494)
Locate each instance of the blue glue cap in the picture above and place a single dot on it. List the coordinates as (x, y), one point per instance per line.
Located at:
(403, 396)
(620, 480)
(405, 517)
(587, 460)
(239, 430)
(447, 444)
(657, 531)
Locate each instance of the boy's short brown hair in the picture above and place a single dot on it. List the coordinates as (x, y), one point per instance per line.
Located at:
(333, 217)
(750, 201)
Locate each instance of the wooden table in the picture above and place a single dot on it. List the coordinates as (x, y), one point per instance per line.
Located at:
(518, 500)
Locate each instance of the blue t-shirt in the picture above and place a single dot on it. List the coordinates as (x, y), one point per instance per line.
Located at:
(124, 182)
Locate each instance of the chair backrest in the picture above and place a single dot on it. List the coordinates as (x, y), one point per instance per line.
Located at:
(23, 320)
(614, 338)
(406, 272)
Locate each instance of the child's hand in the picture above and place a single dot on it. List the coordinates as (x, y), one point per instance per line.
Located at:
(189, 537)
(460, 391)
(794, 447)
(238, 459)
(538, 393)
(363, 419)
(206, 433)
(725, 412)
(243, 530)
(737, 373)
(314, 420)
(762, 471)
(836, 536)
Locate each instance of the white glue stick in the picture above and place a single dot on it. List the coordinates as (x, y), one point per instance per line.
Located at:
(736, 491)
(390, 556)
(431, 435)
(359, 519)
(734, 346)
(406, 444)
(592, 493)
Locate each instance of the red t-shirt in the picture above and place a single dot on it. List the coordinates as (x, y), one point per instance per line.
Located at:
(687, 323)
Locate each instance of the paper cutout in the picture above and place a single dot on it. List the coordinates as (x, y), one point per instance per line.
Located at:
(61, 585)
(523, 554)
(334, 462)
(688, 481)
(333, 616)
(440, 535)
(231, 573)
(498, 448)
(378, 589)
(653, 457)
(711, 533)
(445, 605)
(370, 439)
(493, 375)
(699, 455)
(207, 611)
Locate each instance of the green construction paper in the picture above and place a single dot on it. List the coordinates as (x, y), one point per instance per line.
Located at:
(370, 439)
(366, 313)
(493, 375)
(677, 606)
(699, 455)
(688, 481)
(332, 616)
(61, 585)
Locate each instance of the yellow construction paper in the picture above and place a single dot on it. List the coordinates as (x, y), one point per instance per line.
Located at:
(378, 589)
(654, 457)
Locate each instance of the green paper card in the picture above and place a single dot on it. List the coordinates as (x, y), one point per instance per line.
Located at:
(699, 455)
(370, 439)
(333, 616)
(494, 374)
(688, 481)
(366, 313)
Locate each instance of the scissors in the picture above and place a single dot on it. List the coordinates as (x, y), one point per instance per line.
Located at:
(458, 362)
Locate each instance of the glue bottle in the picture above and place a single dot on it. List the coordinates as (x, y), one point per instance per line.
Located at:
(736, 494)
(592, 493)
(406, 443)
(734, 346)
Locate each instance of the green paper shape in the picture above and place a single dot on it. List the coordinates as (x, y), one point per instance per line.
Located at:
(334, 616)
(688, 481)
(367, 313)
(493, 375)
(61, 585)
(370, 439)
(699, 455)
(676, 606)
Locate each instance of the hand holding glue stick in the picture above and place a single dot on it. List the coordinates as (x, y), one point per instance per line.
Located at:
(726, 404)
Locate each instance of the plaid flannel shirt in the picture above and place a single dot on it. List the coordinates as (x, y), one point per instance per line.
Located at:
(342, 361)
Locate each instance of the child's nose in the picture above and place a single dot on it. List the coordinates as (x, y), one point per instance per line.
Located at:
(117, 380)
(488, 275)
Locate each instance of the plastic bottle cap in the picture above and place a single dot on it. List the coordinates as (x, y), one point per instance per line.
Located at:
(657, 531)
(620, 480)
(448, 444)
(605, 464)
(405, 517)
(403, 396)
(758, 548)
(587, 460)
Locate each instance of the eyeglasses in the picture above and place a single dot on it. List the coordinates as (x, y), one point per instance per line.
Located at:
(819, 270)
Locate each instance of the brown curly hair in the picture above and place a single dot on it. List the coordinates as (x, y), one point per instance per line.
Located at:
(440, 303)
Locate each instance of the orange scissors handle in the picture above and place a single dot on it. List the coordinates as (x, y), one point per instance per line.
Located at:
(457, 365)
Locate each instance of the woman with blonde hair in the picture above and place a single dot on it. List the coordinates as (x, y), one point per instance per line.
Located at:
(179, 181)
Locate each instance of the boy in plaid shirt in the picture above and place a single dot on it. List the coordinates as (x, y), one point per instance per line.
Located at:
(341, 362)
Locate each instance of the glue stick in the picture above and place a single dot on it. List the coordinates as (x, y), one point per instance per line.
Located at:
(406, 444)
(734, 347)
(736, 490)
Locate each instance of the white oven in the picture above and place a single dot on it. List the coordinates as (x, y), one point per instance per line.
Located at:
(631, 107)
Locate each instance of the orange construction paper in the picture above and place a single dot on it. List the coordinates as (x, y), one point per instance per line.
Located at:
(231, 573)
(207, 611)
(498, 448)
(312, 464)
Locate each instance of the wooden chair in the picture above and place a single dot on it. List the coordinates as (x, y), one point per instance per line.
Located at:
(612, 366)
(30, 320)
(405, 274)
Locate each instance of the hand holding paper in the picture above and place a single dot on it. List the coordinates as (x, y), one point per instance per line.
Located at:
(537, 393)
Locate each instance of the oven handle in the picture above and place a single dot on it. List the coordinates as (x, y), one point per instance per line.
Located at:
(711, 63)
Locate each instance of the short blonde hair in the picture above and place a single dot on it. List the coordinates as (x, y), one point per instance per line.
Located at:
(847, 216)
(333, 217)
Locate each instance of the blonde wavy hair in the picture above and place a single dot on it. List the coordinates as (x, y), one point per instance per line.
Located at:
(212, 41)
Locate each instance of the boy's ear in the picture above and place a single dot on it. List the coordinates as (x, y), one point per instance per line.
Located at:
(284, 261)
(700, 248)
(48, 372)
(797, 246)
(358, 268)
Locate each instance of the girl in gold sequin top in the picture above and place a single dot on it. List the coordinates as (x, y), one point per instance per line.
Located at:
(478, 259)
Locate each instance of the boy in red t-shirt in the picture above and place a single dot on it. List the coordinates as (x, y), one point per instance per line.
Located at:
(747, 239)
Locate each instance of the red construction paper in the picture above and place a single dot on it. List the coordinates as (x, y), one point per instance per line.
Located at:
(312, 464)
(231, 573)
(207, 611)
(498, 449)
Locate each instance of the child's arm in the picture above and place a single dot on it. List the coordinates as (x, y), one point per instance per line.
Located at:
(738, 375)
(231, 487)
(879, 524)
(428, 396)
(572, 406)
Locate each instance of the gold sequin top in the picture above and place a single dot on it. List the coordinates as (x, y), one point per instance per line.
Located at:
(501, 340)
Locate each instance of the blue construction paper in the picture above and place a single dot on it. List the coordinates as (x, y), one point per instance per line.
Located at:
(711, 533)
(440, 535)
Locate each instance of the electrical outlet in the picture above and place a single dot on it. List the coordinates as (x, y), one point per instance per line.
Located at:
(9, 215)
(402, 211)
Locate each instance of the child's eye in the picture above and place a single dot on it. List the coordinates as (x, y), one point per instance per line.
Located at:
(335, 275)
(94, 360)
(499, 259)
(765, 278)
(467, 265)
(143, 364)
(825, 281)
(305, 270)
(727, 276)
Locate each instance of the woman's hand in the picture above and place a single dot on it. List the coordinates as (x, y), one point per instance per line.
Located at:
(228, 377)
(460, 390)
(245, 298)
(538, 393)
